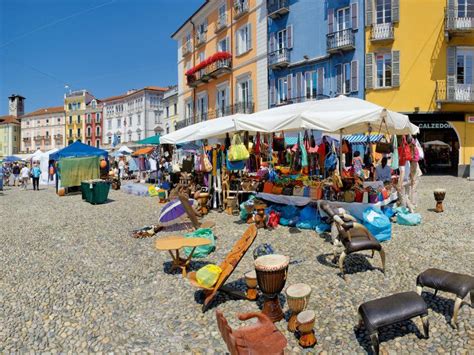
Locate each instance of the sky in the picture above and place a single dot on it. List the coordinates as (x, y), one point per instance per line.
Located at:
(104, 46)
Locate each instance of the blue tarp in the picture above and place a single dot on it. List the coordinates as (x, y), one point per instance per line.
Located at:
(78, 149)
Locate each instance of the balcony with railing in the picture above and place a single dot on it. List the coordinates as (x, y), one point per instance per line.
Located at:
(244, 107)
(454, 92)
(279, 58)
(381, 32)
(221, 23)
(459, 19)
(184, 123)
(58, 136)
(187, 48)
(278, 8)
(200, 38)
(26, 139)
(340, 41)
(241, 7)
(212, 68)
(38, 138)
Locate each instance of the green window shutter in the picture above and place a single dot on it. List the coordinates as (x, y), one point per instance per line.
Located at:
(395, 10)
(451, 71)
(369, 71)
(369, 12)
(395, 69)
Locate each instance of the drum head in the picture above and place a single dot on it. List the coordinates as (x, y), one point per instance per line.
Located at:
(306, 317)
(440, 191)
(298, 290)
(251, 274)
(271, 262)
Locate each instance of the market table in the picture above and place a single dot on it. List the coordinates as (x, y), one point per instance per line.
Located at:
(174, 243)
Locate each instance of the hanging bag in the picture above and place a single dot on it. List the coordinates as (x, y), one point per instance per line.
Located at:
(206, 165)
(237, 150)
(278, 143)
(384, 146)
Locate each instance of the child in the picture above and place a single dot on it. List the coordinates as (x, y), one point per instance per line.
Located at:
(358, 164)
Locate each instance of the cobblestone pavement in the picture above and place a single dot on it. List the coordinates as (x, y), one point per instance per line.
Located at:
(72, 279)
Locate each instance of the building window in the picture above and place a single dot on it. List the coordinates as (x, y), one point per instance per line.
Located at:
(119, 123)
(167, 112)
(139, 118)
(282, 90)
(97, 131)
(139, 135)
(78, 118)
(466, 8)
(281, 39)
(119, 139)
(222, 16)
(69, 106)
(347, 79)
(70, 132)
(88, 131)
(223, 45)
(384, 70)
(109, 140)
(130, 121)
(384, 11)
(78, 132)
(97, 117)
(70, 119)
(343, 19)
(175, 109)
(189, 109)
(88, 118)
(243, 40)
(47, 121)
(97, 143)
(201, 107)
(222, 101)
(59, 121)
(88, 142)
(109, 124)
(201, 57)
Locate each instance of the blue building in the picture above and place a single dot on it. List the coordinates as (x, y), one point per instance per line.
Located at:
(315, 50)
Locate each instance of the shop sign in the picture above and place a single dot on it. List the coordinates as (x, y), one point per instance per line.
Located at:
(470, 119)
(434, 125)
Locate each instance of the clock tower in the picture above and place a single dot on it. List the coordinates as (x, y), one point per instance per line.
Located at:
(16, 105)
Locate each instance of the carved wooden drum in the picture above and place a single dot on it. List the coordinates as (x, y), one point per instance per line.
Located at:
(305, 322)
(271, 272)
(439, 195)
(297, 296)
(251, 282)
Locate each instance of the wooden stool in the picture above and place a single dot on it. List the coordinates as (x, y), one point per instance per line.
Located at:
(261, 218)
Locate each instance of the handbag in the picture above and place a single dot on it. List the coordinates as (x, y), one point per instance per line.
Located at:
(316, 192)
(278, 143)
(384, 147)
(268, 187)
(298, 191)
(206, 165)
(277, 190)
(349, 196)
(235, 165)
(237, 150)
(404, 152)
(287, 190)
(345, 147)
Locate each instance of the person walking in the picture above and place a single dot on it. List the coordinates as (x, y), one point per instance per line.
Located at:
(16, 174)
(25, 176)
(1, 177)
(35, 174)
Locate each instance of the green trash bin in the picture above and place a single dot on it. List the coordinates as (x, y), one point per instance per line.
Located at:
(100, 192)
(86, 191)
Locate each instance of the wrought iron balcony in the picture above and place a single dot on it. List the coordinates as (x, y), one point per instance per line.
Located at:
(278, 8)
(340, 41)
(279, 58)
(241, 7)
(187, 48)
(38, 138)
(211, 71)
(244, 107)
(184, 123)
(26, 139)
(200, 38)
(58, 136)
(454, 93)
(221, 23)
(459, 20)
(381, 32)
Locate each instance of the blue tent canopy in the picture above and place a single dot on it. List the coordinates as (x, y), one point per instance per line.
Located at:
(11, 158)
(362, 138)
(78, 149)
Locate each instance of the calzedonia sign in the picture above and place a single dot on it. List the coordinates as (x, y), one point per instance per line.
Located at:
(434, 125)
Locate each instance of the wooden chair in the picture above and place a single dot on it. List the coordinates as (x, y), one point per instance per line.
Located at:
(228, 266)
(259, 338)
(192, 214)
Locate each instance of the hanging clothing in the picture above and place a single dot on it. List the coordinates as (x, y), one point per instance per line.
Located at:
(153, 164)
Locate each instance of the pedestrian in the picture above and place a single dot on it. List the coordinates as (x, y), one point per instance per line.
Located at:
(121, 167)
(358, 165)
(16, 174)
(383, 172)
(35, 175)
(25, 176)
(1, 177)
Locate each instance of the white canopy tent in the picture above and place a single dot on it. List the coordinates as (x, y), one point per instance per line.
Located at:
(202, 130)
(344, 115)
(125, 150)
(36, 156)
(44, 165)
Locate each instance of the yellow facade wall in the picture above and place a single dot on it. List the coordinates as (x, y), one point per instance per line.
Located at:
(422, 41)
(75, 124)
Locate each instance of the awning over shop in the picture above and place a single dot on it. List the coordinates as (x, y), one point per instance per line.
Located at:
(143, 151)
(150, 140)
(362, 138)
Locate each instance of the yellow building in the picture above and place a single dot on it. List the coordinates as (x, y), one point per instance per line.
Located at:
(235, 79)
(75, 103)
(9, 135)
(419, 60)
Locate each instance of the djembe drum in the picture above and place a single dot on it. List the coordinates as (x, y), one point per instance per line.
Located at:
(271, 277)
(305, 322)
(203, 198)
(297, 296)
(251, 282)
(439, 195)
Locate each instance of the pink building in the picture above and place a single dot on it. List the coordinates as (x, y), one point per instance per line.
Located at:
(43, 129)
